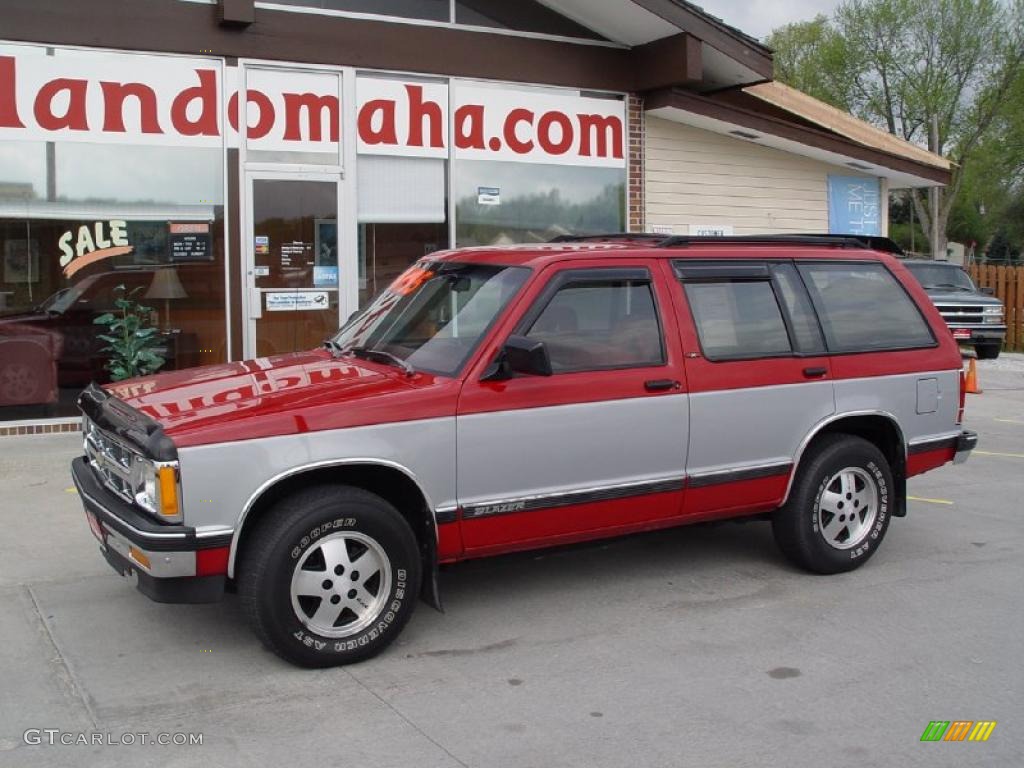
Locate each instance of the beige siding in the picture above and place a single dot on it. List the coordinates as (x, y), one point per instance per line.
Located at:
(694, 176)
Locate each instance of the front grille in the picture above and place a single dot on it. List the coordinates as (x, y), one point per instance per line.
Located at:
(961, 314)
(113, 463)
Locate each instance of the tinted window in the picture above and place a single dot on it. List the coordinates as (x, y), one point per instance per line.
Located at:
(940, 275)
(597, 324)
(862, 307)
(738, 319)
(806, 333)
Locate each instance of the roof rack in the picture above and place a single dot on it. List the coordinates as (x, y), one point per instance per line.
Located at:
(616, 236)
(871, 242)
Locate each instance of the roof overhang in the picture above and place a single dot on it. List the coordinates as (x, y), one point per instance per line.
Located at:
(794, 138)
(728, 58)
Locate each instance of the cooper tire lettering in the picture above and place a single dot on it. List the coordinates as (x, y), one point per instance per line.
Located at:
(278, 547)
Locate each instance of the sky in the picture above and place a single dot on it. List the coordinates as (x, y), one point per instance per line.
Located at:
(759, 17)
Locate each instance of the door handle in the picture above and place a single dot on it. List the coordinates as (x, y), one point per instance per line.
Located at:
(815, 373)
(660, 385)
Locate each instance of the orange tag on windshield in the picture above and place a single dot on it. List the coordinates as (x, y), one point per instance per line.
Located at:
(410, 280)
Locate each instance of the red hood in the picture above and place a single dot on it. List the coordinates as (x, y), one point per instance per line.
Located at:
(268, 396)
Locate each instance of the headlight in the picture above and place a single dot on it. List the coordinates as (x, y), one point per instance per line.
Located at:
(158, 492)
(992, 315)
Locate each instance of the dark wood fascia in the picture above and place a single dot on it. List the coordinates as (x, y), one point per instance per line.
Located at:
(813, 137)
(671, 61)
(237, 13)
(171, 26)
(718, 35)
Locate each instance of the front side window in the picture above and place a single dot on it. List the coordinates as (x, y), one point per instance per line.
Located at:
(738, 319)
(863, 308)
(593, 324)
(434, 315)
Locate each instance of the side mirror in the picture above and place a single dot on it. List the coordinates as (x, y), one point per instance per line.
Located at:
(527, 356)
(987, 291)
(519, 355)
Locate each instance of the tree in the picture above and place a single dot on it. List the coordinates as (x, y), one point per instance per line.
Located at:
(906, 65)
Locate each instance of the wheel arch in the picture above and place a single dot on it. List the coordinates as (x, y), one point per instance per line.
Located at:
(391, 481)
(879, 428)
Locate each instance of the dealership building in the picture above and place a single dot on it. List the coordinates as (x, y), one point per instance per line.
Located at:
(257, 171)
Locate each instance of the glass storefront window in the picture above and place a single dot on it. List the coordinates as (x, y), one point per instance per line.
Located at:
(402, 217)
(499, 203)
(387, 250)
(79, 219)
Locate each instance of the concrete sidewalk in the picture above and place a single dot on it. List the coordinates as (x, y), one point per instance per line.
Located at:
(698, 646)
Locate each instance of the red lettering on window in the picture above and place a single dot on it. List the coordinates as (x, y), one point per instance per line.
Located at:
(114, 95)
(74, 117)
(605, 131)
(314, 105)
(544, 133)
(266, 110)
(420, 110)
(515, 117)
(469, 126)
(386, 133)
(8, 100)
(206, 94)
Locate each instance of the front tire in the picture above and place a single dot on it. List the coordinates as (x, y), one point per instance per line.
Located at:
(330, 576)
(988, 351)
(839, 508)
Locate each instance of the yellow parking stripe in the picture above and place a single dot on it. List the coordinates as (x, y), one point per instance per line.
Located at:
(70, 490)
(998, 453)
(929, 501)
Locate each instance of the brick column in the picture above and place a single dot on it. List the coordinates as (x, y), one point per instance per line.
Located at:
(635, 127)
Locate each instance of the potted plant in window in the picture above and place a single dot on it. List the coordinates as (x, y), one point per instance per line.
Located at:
(131, 340)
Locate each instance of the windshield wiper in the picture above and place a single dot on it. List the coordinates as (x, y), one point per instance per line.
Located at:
(380, 354)
(949, 285)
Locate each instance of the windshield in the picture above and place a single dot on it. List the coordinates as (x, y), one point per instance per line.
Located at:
(940, 276)
(61, 300)
(434, 315)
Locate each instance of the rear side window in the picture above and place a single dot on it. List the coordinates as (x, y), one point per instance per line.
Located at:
(590, 324)
(738, 319)
(862, 308)
(806, 332)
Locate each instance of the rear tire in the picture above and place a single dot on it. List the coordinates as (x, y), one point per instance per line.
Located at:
(839, 508)
(988, 351)
(330, 576)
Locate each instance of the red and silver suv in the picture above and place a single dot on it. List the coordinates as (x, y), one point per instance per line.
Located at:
(500, 399)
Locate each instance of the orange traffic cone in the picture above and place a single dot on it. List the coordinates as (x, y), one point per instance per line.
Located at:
(971, 385)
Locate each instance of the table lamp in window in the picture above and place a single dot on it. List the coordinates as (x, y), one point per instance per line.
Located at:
(166, 285)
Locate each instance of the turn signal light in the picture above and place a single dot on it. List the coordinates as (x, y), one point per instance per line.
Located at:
(139, 557)
(168, 491)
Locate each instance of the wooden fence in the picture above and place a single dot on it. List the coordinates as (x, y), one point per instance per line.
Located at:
(1008, 284)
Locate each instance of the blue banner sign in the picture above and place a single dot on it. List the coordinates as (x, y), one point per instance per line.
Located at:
(854, 206)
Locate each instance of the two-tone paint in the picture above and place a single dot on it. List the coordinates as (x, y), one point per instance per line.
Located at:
(537, 461)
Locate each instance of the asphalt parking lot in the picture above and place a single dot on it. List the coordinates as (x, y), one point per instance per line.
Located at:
(698, 646)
